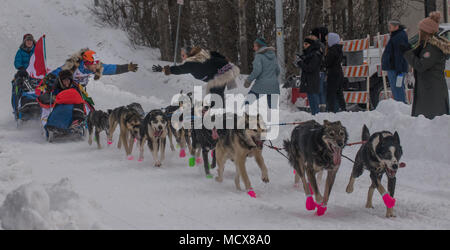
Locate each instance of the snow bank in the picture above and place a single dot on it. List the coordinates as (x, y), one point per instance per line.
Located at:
(36, 207)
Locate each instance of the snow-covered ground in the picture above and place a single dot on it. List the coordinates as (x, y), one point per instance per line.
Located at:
(72, 185)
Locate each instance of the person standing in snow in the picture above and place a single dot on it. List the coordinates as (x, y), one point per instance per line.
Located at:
(335, 75)
(321, 36)
(428, 60)
(26, 50)
(393, 61)
(310, 63)
(210, 67)
(265, 73)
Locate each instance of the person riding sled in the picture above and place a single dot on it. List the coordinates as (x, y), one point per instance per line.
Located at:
(210, 67)
(68, 113)
(86, 63)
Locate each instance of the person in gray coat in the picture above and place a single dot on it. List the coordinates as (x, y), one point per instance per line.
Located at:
(265, 72)
(428, 60)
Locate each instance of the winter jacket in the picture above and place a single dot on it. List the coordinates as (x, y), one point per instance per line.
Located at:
(310, 65)
(393, 59)
(265, 71)
(333, 62)
(212, 68)
(81, 74)
(430, 92)
(23, 55)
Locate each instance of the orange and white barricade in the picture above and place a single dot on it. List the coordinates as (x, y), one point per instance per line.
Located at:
(359, 71)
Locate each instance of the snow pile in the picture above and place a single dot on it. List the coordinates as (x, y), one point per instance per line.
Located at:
(36, 207)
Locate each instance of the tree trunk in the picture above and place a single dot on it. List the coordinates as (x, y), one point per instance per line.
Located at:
(165, 43)
(243, 43)
(350, 19)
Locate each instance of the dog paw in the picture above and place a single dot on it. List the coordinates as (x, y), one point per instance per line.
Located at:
(369, 205)
(140, 159)
(321, 209)
(130, 158)
(110, 143)
(219, 179)
(310, 203)
(265, 179)
(158, 164)
(349, 189)
(390, 213)
(172, 148)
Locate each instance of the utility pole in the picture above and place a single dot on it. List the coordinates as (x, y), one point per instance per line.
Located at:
(302, 13)
(180, 4)
(446, 11)
(280, 38)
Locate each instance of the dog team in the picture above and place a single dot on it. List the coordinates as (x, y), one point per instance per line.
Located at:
(312, 149)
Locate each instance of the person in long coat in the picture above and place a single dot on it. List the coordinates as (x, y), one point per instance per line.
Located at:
(428, 60)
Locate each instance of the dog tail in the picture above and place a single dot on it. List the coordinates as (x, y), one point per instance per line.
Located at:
(365, 133)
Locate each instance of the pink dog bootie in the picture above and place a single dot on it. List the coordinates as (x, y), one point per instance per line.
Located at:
(199, 161)
(252, 193)
(131, 158)
(310, 203)
(182, 153)
(110, 142)
(321, 209)
(389, 201)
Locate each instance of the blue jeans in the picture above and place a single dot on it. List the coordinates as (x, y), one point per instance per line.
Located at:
(323, 88)
(398, 93)
(314, 100)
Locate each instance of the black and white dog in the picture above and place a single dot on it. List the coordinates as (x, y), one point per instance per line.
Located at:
(381, 154)
(99, 121)
(154, 131)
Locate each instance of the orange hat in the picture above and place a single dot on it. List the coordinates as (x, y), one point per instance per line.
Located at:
(90, 57)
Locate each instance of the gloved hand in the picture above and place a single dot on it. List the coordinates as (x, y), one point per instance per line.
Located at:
(298, 61)
(405, 47)
(247, 84)
(133, 67)
(157, 68)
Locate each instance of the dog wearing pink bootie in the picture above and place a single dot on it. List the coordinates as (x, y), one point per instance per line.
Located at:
(380, 155)
(314, 148)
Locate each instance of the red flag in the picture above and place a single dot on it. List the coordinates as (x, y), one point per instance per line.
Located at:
(38, 63)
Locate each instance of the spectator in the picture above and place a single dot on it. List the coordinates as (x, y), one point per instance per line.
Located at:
(310, 63)
(335, 75)
(428, 60)
(265, 72)
(393, 61)
(321, 35)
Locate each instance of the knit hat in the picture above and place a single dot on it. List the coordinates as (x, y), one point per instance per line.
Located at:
(261, 41)
(430, 24)
(320, 32)
(333, 39)
(27, 37)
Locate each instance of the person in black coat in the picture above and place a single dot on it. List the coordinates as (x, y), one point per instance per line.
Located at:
(335, 75)
(310, 63)
(210, 67)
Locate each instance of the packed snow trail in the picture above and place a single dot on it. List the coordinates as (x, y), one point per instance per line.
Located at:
(115, 193)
